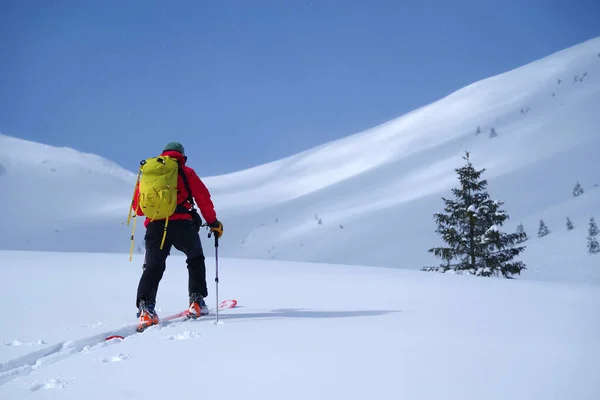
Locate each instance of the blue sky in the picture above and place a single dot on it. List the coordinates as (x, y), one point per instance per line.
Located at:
(244, 82)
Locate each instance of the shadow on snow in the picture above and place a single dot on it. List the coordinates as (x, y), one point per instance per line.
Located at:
(302, 313)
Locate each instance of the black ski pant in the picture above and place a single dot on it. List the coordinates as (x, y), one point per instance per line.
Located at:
(184, 236)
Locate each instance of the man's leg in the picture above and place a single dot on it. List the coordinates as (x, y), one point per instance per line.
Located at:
(154, 265)
(184, 236)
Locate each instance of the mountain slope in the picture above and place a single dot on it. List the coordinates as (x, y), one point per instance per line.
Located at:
(369, 198)
(302, 331)
(61, 199)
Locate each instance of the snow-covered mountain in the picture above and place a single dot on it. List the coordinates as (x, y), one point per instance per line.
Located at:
(61, 199)
(368, 198)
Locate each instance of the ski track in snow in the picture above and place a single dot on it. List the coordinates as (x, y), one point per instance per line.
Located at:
(28, 363)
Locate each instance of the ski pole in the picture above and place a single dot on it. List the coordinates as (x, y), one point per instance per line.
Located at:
(217, 273)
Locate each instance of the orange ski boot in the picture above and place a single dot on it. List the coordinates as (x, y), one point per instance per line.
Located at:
(197, 308)
(147, 319)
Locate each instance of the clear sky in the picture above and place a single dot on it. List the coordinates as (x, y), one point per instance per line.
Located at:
(244, 82)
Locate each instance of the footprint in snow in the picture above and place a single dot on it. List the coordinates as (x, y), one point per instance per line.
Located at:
(17, 342)
(185, 335)
(117, 358)
(56, 383)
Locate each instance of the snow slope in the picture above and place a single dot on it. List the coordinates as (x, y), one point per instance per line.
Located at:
(303, 331)
(367, 198)
(61, 199)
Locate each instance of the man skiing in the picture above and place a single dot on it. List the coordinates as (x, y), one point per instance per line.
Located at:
(182, 232)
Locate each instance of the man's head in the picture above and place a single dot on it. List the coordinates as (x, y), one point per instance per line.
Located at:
(175, 146)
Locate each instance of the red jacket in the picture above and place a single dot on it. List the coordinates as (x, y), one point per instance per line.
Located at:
(199, 193)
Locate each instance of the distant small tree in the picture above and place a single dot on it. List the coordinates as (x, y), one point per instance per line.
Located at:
(522, 233)
(569, 224)
(543, 229)
(577, 190)
(593, 228)
(470, 227)
(493, 133)
(478, 129)
(593, 246)
(558, 81)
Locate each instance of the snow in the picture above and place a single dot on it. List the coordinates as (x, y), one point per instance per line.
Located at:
(323, 250)
(325, 204)
(301, 330)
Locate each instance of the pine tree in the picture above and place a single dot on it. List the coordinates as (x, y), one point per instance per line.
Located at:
(593, 245)
(593, 228)
(577, 190)
(569, 224)
(470, 228)
(493, 133)
(543, 229)
(521, 231)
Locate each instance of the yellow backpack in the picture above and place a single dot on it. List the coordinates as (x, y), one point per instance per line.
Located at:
(157, 181)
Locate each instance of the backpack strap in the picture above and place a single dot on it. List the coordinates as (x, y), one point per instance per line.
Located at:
(190, 198)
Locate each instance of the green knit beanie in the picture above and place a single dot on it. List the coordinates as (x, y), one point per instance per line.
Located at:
(175, 146)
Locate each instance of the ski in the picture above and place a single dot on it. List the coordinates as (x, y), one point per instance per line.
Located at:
(168, 320)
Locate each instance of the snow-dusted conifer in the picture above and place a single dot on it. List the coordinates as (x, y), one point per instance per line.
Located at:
(577, 190)
(493, 133)
(592, 243)
(470, 227)
(569, 224)
(593, 227)
(543, 229)
(521, 231)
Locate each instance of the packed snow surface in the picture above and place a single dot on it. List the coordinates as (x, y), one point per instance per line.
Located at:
(301, 331)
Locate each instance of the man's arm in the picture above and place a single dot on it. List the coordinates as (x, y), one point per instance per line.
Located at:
(202, 197)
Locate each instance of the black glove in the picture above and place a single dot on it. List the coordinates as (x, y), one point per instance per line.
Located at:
(217, 228)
